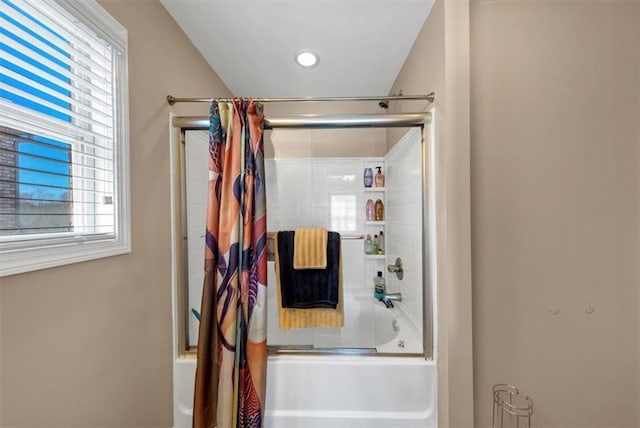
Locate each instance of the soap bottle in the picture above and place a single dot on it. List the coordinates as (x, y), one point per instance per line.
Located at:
(368, 177)
(370, 210)
(379, 177)
(379, 286)
(381, 243)
(379, 210)
(375, 244)
(368, 245)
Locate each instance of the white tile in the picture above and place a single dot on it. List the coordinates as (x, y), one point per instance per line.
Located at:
(352, 268)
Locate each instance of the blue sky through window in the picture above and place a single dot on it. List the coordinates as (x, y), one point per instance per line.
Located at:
(45, 164)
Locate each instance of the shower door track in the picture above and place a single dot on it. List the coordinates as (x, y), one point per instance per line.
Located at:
(321, 121)
(343, 121)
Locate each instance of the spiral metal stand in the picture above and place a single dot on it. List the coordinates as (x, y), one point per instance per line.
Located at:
(510, 409)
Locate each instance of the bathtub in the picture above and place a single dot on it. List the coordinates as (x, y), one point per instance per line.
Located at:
(330, 391)
(354, 392)
(364, 387)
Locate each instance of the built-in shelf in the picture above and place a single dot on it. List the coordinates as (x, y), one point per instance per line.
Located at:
(373, 262)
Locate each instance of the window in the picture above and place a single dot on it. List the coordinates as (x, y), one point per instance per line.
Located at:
(344, 213)
(63, 134)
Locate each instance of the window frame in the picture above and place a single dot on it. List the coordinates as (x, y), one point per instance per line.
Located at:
(68, 247)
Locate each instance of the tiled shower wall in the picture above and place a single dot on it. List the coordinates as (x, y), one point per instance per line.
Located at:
(320, 193)
(404, 221)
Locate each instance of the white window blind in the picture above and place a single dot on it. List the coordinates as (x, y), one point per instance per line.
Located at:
(63, 134)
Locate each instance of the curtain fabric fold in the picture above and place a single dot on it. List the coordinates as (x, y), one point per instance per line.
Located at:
(232, 347)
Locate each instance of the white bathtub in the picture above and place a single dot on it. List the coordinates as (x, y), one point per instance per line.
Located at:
(326, 391)
(335, 391)
(354, 392)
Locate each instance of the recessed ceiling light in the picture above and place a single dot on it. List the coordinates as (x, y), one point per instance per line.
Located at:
(306, 59)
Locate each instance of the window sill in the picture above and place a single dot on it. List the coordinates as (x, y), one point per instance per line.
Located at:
(32, 259)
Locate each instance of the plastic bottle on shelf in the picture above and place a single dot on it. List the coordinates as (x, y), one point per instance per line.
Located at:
(379, 179)
(381, 242)
(370, 210)
(375, 244)
(379, 210)
(368, 245)
(368, 177)
(379, 286)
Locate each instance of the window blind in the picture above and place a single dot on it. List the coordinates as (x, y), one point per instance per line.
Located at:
(64, 193)
(59, 150)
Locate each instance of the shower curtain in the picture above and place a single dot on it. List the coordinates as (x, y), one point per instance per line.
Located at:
(232, 347)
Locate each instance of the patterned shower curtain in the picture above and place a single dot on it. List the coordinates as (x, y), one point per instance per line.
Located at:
(232, 346)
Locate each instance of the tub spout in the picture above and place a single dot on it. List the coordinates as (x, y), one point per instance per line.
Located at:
(392, 296)
(388, 298)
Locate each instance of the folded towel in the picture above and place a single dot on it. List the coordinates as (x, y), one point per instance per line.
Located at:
(309, 288)
(310, 248)
(290, 318)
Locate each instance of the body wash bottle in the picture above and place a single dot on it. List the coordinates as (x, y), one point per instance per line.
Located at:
(379, 210)
(370, 210)
(368, 245)
(379, 177)
(368, 177)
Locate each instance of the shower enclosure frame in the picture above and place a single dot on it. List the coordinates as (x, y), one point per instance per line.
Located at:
(423, 120)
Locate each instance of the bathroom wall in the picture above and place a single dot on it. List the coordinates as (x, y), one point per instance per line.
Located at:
(90, 344)
(403, 189)
(326, 143)
(296, 143)
(439, 61)
(555, 162)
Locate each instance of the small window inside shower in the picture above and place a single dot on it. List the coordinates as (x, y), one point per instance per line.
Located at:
(344, 213)
(314, 178)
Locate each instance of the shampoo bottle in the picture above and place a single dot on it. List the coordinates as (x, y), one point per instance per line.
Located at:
(381, 242)
(370, 210)
(368, 177)
(379, 177)
(379, 210)
(368, 245)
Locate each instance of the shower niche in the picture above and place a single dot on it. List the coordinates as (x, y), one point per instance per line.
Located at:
(315, 178)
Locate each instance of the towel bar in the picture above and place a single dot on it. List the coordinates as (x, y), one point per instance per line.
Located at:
(270, 235)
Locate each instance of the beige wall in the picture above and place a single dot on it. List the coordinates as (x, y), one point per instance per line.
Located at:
(555, 145)
(310, 143)
(89, 344)
(292, 143)
(439, 61)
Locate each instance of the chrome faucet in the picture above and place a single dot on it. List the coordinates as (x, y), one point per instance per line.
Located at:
(388, 298)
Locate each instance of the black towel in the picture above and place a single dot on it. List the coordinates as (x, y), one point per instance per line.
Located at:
(309, 288)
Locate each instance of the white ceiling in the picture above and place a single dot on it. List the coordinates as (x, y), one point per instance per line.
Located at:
(251, 44)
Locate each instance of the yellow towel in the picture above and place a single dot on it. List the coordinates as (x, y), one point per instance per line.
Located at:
(310, 248)
(290, 318)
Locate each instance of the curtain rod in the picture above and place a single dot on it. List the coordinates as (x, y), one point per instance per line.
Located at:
(429, 97)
